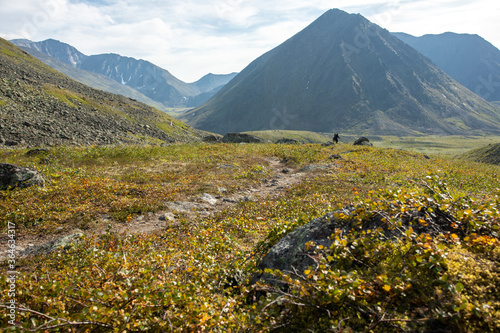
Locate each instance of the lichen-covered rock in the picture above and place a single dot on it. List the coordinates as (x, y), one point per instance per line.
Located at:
(289, 253)
(13, 176)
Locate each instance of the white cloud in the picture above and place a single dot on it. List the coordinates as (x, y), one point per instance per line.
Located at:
(193, 37)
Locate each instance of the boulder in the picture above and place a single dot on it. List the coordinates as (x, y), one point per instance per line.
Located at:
(37, 151)
(241, 138)
(213, 138)
(362, 141)
(289, 254)
(12, 176)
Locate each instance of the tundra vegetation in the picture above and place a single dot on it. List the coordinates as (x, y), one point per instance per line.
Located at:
(195, 275)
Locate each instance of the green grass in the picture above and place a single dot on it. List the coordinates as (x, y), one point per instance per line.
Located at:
(301, 136)
(176, 112)
(436, 145)
(194, 276)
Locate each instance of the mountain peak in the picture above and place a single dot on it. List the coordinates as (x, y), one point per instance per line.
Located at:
(54, 48)
(343, 73)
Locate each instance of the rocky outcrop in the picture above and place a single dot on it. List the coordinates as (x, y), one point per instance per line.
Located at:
(64, 242)
(289, 254)
(13, 176)
(362, 141)
(241, 138)
(212, 138)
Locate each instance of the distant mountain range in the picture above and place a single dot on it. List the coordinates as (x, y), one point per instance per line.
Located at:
(156, 86)
(469, 59)
(40, 106)
(345, 74)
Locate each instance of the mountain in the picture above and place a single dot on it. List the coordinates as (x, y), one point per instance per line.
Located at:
(154, 82)
(343, 73)
(211, 82)
(40, 106)
(469, 59)
(54, 48)
(97, 81)
(143, 76)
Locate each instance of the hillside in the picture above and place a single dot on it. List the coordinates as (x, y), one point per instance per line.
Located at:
(148, 79)
(345, 74)
(488, 154)
(40, 106)
(94, 80)
(469, 59)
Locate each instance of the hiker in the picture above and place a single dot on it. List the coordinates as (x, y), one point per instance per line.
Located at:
(336, 138)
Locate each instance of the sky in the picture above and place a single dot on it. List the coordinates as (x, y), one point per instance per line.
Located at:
(191, 38)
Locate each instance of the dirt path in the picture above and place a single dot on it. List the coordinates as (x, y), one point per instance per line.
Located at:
(281, 178)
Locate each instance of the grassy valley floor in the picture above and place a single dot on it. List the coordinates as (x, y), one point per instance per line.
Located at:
(192, 271)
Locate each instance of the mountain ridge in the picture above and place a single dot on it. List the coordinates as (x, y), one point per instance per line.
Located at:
(94, 80)
(467, 58)
(152, 81)
(343, 73)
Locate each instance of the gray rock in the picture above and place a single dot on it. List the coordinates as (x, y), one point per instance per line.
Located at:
(64, 242)
(208, 198)
(362, 141)
(12, 176)
(289, 253)
(212, 138)
(310, 167)
(167, 217)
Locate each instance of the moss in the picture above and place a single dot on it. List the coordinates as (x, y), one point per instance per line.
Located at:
(479, 273)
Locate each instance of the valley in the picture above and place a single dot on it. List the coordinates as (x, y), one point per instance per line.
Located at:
(144, 219)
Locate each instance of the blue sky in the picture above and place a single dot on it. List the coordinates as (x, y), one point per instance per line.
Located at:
(191, 38)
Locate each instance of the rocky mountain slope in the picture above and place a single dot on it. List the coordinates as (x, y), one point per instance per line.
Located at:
(94, 80)
(150, 80)
(469, 59)
(345, 74)
(40, 106)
